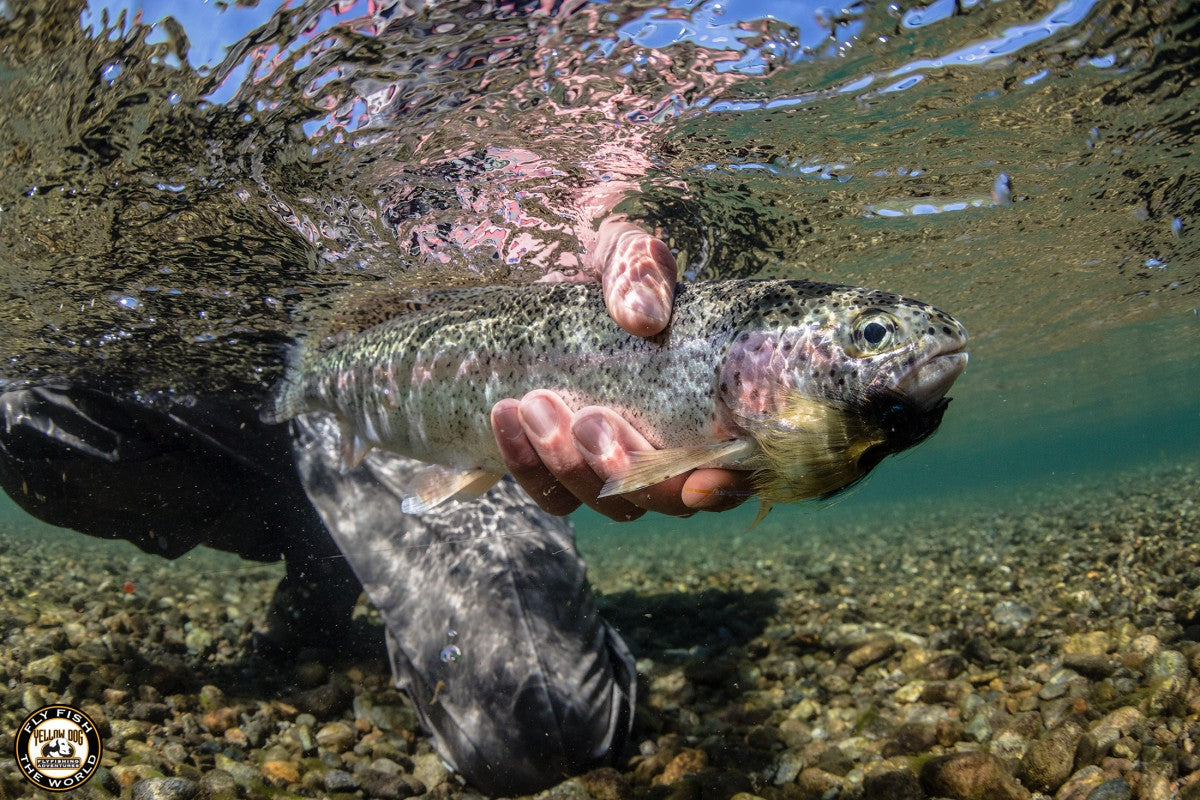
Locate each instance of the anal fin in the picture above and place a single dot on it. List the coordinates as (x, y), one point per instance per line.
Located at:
(648, 467)
(433, 485)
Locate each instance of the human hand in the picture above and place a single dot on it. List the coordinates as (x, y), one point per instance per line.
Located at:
(563, 458)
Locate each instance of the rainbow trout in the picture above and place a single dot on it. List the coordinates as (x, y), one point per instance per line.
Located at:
(807, 385)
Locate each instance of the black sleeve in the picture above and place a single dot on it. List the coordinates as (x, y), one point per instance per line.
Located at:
(163, 477)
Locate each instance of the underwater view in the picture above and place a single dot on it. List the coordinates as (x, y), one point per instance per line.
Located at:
(221, 590)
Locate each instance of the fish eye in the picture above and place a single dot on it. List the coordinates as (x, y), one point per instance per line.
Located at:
(874, 332)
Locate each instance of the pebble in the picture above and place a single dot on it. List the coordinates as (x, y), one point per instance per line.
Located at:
(219, 720)
(165, 789)
(816, 782)
(1011, 614)
(824, 691)
(606, 783)
(323, 702)
(429, 770)
(46, 671)
(888, 783)
(280, 772)
(218, 783)
(873, 650)
(310, 674)
(689, 760)
(1047, 762)
(1081, 784)
(1115, 789)
(337, 780)
(389, 787)
(1092, 643)
(337, 737)
(971, 776)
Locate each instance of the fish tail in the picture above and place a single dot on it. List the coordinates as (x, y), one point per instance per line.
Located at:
(288, 400)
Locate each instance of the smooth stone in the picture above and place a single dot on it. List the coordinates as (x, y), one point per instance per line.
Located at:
(945, 667)
(198, 640)
(971, 776)
(1092, 643)
(219, 720)
(165, 789)
(871, 651)
(788, 767)
(688, 760)
(1096, 667)
(1058, 684)
(429, 770)
(1115, 789)
(1080, 785)
(607, 783)
(211, 697)
(1011, 614)
(816, 782)
(337, 737)
(46, 671)
(280, 773)
(389, 787)
(911, 738)
(311, 674)
(892, 784)
(323, 702)
(1047, 762)
(218, 783)
(337, 780)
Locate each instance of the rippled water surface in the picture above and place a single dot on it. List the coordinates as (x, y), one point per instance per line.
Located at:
(184, 186)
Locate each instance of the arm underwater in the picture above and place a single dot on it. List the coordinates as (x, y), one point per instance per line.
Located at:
(808, 385)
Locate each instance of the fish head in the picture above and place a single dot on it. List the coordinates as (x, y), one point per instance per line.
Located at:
(880, 347)
(834, 379)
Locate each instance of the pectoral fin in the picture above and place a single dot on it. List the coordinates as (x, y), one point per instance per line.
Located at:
(354, 447)
(764, 508)
(434, 485)
(648, 467)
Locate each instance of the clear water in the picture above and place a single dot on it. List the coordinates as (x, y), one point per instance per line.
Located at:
(181, 193)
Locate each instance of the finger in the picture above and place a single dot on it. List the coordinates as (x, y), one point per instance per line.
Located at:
(637, 272)
(717, 489)
(606, 439)
(547, 422)
(524, 462)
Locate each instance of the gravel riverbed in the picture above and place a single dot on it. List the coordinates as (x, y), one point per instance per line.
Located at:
(1047, 648)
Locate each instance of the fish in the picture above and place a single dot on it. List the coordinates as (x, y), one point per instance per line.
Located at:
(806, 385)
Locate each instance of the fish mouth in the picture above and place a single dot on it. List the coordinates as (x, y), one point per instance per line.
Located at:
(927, 383)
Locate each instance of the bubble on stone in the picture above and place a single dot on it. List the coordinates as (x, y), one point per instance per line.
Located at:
(450, 654)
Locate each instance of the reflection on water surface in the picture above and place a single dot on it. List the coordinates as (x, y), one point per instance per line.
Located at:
(182, 186)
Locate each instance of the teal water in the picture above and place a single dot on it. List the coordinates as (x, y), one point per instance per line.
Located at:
(182, 193)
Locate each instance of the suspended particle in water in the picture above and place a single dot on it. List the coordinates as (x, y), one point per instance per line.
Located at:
(450, 654)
